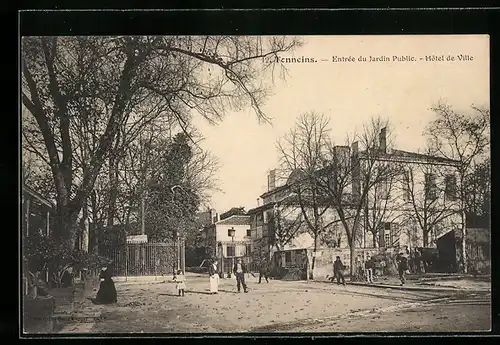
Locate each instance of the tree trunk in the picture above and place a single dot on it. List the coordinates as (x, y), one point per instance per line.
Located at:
(463, 245)
(85, 228)
(426, 237)
(66, 225)
(113, 176)
(94, 230)
(315, 250)
(143, 214)
(374, 238)
(352, 264)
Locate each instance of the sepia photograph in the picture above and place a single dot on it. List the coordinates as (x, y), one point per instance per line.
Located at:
(255, 184)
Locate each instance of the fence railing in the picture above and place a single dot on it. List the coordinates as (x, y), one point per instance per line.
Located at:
(145, 259)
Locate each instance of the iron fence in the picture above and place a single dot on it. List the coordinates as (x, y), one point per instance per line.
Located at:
(147, 259)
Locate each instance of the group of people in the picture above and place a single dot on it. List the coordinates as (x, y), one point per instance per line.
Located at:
(369, 267)
(107, 291)
(239, 271)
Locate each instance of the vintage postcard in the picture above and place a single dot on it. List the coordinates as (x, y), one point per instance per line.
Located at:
(255, 184)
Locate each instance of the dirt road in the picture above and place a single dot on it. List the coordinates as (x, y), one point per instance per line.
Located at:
(279, 306)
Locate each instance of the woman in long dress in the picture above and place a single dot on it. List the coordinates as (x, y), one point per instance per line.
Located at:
(214, 277)
(107, 290)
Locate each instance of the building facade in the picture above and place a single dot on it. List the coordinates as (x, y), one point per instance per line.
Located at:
(413, 205)
(37, 217)
(228, 240)
(37, 212)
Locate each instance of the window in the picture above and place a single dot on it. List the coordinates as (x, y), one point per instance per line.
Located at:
(384, 189)
(450, 187)
(387, 234)
(231, 251)
(288, 257)
(231, 232)
(248, 250)
(387, 239)
(430, 186)
(249, 233)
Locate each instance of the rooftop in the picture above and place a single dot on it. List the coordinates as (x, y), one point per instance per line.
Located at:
(264, 207)
(235, 220)
(38, 196)
(401, 154)
(395, 156)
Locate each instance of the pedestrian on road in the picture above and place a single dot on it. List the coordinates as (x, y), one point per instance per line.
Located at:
(214, 277)
(369, 270)
(107, 291)
(402, 262)
(239, 271)
(263, 271)
(338, 270)
(418, 261)
(181, 282)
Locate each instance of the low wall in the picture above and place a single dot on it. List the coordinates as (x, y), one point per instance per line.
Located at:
(122, 279)
(38, 315)
(323, 266)
(324, 258)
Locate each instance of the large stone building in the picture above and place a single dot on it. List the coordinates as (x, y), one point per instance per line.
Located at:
(422, 195)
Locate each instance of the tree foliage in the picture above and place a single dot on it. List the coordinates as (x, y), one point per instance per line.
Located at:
(234, 211)
(41, 253)
(171, 203)
(84, 91)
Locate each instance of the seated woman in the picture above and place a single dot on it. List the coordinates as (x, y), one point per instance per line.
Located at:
(107, 290)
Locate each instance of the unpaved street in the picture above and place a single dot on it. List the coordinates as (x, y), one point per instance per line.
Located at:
(282, 306)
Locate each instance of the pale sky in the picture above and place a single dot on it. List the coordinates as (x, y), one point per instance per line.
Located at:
(350, 94)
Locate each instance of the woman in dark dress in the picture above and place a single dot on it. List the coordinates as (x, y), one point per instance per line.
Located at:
(107, 290)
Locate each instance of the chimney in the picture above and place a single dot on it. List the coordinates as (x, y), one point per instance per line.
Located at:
(258, 202)
(383, 140)
(271, 180)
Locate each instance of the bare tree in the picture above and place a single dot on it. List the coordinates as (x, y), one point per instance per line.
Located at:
(351, 174)
(463, 137)
(286, 224)
(130, 81)
(431, 193)
(381, 207)
(303, 153)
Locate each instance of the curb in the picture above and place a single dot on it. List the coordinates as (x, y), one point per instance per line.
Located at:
(409, 288)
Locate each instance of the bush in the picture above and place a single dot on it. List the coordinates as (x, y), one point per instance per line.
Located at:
(41, 253)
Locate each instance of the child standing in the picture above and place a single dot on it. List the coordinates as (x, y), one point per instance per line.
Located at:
(181, 282)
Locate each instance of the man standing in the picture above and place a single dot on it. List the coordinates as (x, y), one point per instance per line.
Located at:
(263, 271)
(402, 263)
(239, 271)
(369, 270)
(338, 270)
